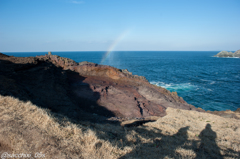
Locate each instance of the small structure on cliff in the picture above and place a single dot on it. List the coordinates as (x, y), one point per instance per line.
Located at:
(49, 53)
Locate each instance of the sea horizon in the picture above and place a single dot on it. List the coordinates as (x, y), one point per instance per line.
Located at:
(118, 51)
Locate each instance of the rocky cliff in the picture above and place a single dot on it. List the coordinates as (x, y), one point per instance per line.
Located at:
(61, 84)
(85, 90)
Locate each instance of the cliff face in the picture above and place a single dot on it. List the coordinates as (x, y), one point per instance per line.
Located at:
(59, 83)
(228, 54)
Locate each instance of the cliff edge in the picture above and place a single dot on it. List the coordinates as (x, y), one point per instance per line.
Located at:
(59, 83)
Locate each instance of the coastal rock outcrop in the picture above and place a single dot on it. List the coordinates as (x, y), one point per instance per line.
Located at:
(228, 54)
(58, 83)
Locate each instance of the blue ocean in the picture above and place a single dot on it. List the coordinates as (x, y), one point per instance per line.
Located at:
(202, 80)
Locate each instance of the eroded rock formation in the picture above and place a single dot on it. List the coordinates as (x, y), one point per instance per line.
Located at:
(63, 85)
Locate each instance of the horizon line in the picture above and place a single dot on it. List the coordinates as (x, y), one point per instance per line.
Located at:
(113, 51)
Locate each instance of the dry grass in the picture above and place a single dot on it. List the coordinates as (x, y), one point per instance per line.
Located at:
(26, 128)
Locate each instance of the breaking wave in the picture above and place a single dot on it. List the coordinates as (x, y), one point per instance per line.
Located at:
(175, 87)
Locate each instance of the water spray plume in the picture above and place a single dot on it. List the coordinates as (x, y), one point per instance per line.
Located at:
(114, 44)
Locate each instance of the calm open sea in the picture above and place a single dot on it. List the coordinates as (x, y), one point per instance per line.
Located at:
(202, 80)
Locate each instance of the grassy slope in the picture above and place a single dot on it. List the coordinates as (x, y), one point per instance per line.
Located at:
(26, 128)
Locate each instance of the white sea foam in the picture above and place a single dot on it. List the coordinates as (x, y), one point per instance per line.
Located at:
(226, 57)
(204, 80)
(211, 82)
(175, 87)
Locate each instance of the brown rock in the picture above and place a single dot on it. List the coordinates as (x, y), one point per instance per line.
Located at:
(60, 84)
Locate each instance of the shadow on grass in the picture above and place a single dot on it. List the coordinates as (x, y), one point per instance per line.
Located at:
(48, 86)
(161, 146)
(178, 145)
(208, 145)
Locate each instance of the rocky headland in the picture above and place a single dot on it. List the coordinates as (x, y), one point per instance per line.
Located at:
(236, 54)
(64, 109)
(58, 83)
(62, 85)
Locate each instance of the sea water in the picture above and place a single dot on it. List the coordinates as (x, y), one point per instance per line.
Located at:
(201, 79)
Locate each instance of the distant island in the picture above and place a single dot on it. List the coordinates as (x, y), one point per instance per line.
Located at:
(228, 54)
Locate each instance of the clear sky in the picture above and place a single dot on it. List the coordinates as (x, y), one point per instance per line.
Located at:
(100, 25)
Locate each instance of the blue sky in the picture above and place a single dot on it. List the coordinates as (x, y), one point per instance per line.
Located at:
(100, 25)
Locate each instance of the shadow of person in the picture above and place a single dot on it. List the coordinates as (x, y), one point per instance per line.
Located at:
(162, 146)
(208, 147)
(171, 143)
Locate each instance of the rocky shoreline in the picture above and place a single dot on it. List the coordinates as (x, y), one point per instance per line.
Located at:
(88, 91)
